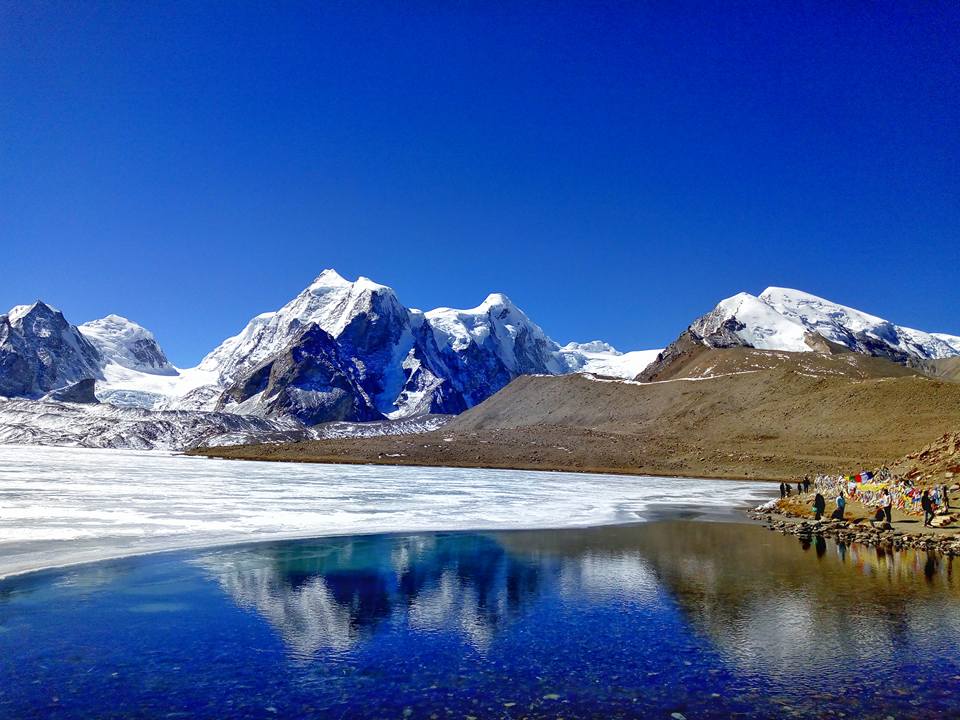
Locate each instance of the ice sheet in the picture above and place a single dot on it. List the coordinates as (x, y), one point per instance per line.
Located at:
(66, 505)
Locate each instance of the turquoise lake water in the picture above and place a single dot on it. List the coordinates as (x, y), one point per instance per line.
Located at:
(700, 619)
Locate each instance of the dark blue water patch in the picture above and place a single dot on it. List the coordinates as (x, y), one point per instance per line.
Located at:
(697, 619)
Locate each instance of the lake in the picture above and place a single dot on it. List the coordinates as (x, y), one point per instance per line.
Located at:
(666, 618)
(68, 505)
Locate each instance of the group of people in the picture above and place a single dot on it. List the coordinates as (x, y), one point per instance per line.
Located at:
(803, 486)
(907, 497)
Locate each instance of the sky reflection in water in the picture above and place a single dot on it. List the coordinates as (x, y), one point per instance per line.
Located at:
(705, 619)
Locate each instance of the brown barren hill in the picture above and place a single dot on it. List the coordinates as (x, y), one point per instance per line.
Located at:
(736, 413)
(934, 463)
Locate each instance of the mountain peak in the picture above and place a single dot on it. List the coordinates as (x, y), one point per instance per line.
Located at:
(329, 278)
(127, 344)
(774, 290)
(786, 319)
(366, 284)
(18, 312)
(497, 300)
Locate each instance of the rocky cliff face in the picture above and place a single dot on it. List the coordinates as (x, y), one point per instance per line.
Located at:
(309, 380)
(82, 392)
(40, 351)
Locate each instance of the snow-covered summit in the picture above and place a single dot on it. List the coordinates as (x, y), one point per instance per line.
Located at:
(747, 320)
(501, 327)
(126, 343)
(330, 301)
(404, 360)
(858, 330)
(796, 321)
(17, 313)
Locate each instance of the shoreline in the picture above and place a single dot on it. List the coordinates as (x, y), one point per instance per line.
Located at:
(620, 471)
(790, 517)
(213, 454)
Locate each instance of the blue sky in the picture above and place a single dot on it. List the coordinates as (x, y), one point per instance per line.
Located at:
(615, 168)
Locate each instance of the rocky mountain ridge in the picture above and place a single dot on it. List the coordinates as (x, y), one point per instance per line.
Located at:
(350, 351)
(339, 351)
(794, 321)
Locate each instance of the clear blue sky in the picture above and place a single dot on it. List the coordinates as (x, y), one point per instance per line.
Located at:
(615, 168)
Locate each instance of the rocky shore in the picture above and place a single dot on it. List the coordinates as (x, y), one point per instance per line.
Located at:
(863, 532)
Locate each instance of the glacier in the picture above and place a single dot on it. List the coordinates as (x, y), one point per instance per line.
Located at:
(69, 424)
(64, 505)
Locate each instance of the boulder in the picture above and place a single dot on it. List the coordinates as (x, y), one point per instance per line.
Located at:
(78, 392)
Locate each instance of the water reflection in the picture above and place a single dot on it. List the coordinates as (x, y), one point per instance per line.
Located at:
(332, 594)
(701, 619)
(771, 608)
(765, 604)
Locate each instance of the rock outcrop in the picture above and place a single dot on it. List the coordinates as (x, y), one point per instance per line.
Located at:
(79, 392)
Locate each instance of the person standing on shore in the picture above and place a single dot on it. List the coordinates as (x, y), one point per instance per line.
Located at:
(946, 497)
(799, 488)
(927, 504)
(783, 491)
(841, 506)
(806, 483)
(886, 503)
(819, 506)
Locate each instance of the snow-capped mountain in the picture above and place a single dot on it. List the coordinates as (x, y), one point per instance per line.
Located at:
(399, 361)
(488, 346)
(134, 370)
(857, 330)
(43, 354)
(310, 380)
(795, 321)
(40, 351)
(127, 344)
(339, 351)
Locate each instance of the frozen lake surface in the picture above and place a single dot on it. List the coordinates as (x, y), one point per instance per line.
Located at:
(64, 505)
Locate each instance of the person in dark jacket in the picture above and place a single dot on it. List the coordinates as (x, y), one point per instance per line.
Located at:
(819, 506)
(799, 488)
(927, 504)
(806, 483)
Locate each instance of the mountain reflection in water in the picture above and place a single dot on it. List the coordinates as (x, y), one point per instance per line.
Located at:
(332, 594)
(709, 620)
(767, 602)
